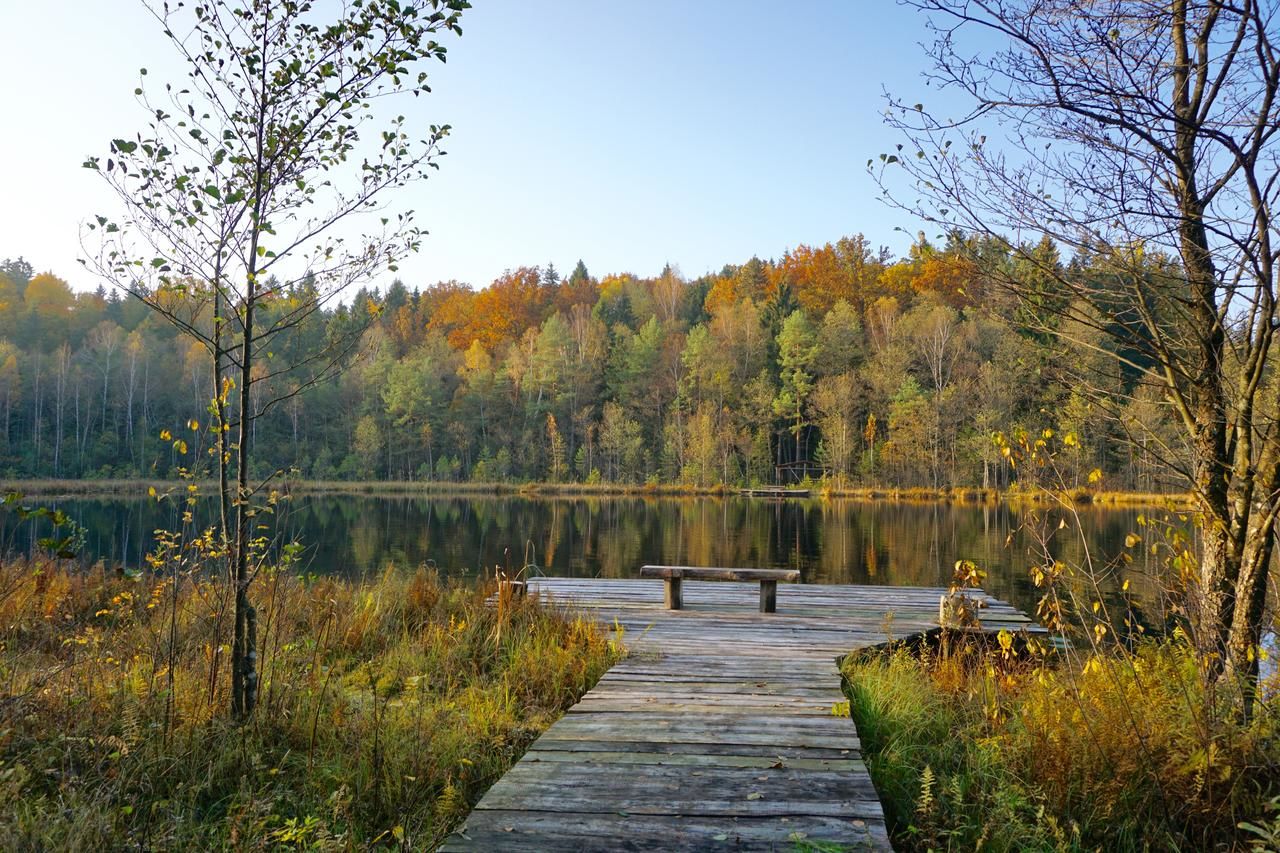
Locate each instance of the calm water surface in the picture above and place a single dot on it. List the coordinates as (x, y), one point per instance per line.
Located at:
(828, 541)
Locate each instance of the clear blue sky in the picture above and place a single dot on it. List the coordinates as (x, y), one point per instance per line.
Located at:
(628, 135)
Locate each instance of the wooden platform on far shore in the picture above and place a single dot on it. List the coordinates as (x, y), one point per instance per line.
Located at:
(774, 492)
(724, 729)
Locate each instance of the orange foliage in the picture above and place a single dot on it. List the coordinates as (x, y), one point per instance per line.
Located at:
(754, 280)
(449, 307)
(948, 276)
(817, 277)
(776, 279)
(723, 293)
(514, 302)
(571, 293)
(433, 298)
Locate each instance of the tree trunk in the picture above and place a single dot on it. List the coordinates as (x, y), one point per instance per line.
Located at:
(244, 654)
(244, 650)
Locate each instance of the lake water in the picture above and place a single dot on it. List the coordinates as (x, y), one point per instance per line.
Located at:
(835, 541)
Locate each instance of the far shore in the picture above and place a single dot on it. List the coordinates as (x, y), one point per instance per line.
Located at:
(56, 488)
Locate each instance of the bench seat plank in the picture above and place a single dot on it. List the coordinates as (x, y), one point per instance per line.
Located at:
(673, 575)
(710, 573)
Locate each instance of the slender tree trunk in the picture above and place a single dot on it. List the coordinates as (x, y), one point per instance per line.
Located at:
(59, 406)
(244, 676)
(128, 415)
(37, 417)
(78, 437)
(244, 653)
(146, 407)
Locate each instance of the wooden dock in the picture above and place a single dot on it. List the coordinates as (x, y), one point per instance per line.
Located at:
(724, 729)
(774, 492)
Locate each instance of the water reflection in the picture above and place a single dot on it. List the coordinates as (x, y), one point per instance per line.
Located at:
(828, 541)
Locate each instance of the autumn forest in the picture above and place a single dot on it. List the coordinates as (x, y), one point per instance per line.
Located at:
(837, 363)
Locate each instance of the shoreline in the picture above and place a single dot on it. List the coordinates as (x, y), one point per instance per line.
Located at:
(58, 488)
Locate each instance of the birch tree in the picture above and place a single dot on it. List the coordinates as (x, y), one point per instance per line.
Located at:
(257, 194)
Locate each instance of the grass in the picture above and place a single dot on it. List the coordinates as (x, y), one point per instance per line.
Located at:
(386, 708)
(915, 494)
(63, 488)
(1123, 752)
(1143, 499)
(893, 494)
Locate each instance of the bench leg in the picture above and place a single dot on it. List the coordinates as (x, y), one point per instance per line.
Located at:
(768, 596)
(672, 596)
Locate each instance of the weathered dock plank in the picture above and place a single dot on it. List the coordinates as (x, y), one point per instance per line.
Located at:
(720, 731)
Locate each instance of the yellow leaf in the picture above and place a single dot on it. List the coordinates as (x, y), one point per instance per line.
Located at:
(1095, 475)
(193, 424)
(165, 435)
(1131, 540)
(151, 490)
(1124, 587)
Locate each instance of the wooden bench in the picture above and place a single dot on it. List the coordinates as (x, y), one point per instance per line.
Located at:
(768, 578)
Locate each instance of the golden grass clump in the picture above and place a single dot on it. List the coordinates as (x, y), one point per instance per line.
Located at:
(1123, 750)
(386, 707)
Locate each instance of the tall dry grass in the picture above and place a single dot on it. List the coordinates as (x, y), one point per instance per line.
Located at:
(1124, 754)
(386, 708)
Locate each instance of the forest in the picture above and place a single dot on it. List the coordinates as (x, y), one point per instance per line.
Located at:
(837, 363)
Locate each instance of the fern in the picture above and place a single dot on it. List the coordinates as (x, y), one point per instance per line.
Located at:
(131, 724)
(925, 805)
